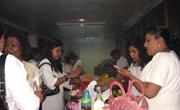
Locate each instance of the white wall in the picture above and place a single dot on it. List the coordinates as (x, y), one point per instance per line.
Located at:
(33, 40)
(92, 54)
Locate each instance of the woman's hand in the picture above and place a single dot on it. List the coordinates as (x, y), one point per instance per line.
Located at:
(76, 72)
(40, 95)
(43, 92)
(150, 89)
(123, 72)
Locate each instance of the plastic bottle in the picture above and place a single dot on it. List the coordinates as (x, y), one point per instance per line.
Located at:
(98, 103)
(86, 101)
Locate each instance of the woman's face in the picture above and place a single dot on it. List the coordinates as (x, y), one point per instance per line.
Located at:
(151, 44)
(56, 52)
(134, 53)
(13, 46)
(73, 61)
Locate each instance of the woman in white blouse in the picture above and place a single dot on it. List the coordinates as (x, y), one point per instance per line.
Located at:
(53, 75)
(138, 57)
(161, 76)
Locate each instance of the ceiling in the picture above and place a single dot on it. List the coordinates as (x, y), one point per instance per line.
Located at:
(40, 17)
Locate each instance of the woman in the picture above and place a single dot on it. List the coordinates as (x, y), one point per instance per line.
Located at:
(17, 43)
(138, 57)
(160, 77)
(35, 56)
(71, 60)
(55, 76)
(19, 94)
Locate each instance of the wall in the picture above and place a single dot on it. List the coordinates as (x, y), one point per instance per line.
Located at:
(33, 40)
(167, 13)
(91, 52)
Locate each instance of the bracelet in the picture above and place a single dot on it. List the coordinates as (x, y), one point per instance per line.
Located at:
(66, 78)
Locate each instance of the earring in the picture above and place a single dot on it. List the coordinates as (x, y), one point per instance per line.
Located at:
(159, 45)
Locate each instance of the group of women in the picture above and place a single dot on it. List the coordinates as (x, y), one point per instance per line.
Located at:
(17, 43)
(158, 69)
(153, 62)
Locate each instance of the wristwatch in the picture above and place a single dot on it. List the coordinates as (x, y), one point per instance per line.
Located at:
(66, 78)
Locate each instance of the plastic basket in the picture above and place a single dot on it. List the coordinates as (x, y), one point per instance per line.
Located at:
(124, 102)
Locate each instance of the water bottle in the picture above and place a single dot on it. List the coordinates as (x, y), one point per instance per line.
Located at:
(98, 103)
(86, 101)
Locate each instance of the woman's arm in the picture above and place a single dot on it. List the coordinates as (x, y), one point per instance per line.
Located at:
(72, 74)
(150, 89)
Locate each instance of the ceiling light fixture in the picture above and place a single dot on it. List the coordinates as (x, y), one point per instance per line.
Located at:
(80, 23)
(81, 20)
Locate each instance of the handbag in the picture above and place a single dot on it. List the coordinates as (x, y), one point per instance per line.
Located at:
(127, 101)
(48, 91)
(3, 103)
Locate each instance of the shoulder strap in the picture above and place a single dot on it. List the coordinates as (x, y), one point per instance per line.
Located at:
(44, 64)
(2, 82)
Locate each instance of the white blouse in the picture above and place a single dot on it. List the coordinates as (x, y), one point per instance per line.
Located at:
(19, 94)
(55, 102)
(164, 70)
(135, 71)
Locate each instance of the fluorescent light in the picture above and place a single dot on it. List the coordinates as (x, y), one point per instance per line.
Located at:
(80, 23)
(81, 19)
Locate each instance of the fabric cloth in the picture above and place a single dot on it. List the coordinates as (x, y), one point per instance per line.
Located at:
(164, 70)
(135, 71)
(33, 62)
(55, 102)
(32, 71)
(19, 94)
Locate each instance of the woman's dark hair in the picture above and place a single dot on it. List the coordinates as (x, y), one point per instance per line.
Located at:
(160, 31)
(71, 55)
(24, 42)
(34, 51)
(115, 52)
(138, 43)
(47, 53)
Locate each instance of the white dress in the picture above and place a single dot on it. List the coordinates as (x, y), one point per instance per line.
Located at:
(135, 71)
(19, 94)
(164, 70)
(55, 102)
